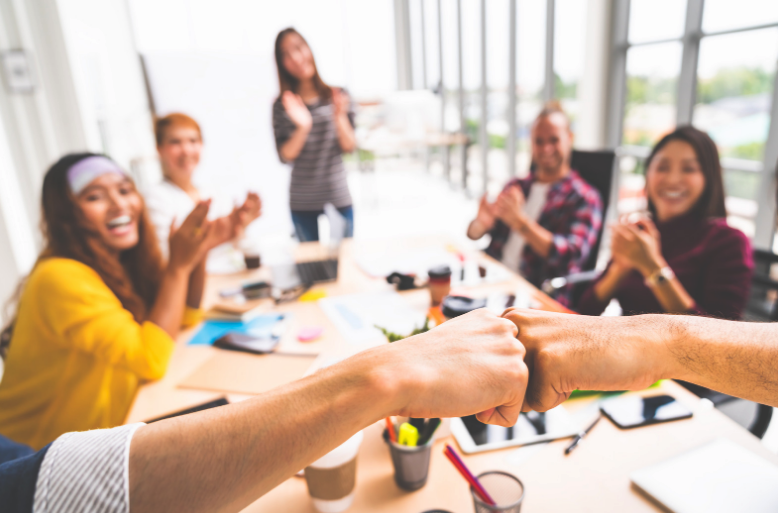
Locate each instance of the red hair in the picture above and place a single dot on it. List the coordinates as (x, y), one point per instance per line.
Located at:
(174, 120)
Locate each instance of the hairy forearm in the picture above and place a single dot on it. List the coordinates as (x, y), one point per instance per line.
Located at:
(292, 148)
(345, 131)
(194, 293)
(736, 358)
(168, 309)
(224, 459)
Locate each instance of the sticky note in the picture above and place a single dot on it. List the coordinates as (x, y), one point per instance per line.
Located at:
(309, 333)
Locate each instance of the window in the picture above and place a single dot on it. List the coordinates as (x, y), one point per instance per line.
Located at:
(722, 15)
(735, 47)
(652, 84)
(656, 20)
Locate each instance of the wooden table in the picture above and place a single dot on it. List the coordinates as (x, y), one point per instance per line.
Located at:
(593, 478)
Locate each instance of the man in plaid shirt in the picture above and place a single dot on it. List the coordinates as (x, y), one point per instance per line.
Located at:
(543, 226)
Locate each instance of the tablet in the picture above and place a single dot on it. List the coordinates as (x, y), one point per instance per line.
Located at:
(532, 427)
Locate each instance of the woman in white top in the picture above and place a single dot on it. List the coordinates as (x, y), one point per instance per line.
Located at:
(179, 144)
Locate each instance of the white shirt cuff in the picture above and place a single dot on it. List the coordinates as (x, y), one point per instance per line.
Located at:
(88, 471)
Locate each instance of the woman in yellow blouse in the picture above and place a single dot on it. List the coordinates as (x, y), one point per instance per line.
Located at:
(99, 312)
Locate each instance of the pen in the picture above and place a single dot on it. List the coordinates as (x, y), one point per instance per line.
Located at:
(469, 477)
(580, 436)
(429, 429)
(390, 430)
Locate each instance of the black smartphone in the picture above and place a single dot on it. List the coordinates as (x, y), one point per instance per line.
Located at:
(237, 341)
(631, 412)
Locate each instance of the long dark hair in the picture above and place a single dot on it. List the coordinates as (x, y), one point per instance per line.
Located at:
(133, 276)
(286, 81)
(711, 202)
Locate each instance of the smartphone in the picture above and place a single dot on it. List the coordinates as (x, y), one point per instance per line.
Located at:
(237, 341)
(631, 412)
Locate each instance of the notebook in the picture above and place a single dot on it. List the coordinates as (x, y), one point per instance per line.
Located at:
(718, 477)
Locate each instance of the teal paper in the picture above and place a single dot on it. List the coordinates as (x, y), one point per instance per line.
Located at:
(212, 330)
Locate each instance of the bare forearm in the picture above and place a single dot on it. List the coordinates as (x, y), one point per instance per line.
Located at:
(673, 297)
(476, 230)
(736, 358)
(345, 131)
(292, 148)
(194, 294)
(225, 459)
(168, 309)
(605, 289)
(539, 239)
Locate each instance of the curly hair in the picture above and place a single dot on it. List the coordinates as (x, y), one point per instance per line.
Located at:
(133, 275)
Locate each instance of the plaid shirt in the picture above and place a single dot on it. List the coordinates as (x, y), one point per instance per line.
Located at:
(573, 214)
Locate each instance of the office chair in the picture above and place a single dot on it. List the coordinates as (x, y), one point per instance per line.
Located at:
(761, 307)
(596, 167)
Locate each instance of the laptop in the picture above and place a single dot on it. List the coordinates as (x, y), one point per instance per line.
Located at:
(294, 275)
(718, 477)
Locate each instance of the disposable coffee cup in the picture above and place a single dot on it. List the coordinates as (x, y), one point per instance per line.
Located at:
(331, 479)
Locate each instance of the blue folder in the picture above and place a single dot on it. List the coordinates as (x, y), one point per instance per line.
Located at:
(259, 327)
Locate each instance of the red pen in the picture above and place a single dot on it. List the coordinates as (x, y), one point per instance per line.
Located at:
(390, 429)
(469, 477)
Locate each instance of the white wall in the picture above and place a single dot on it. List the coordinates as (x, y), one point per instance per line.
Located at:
(230, 95)
(214, 61)
(109, 79)
(89, 95)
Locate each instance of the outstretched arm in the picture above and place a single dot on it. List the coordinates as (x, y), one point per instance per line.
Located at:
(223, 459)
(569, 352)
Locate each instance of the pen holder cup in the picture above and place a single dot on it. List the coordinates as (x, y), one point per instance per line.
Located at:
(411, 464)
(506, 490)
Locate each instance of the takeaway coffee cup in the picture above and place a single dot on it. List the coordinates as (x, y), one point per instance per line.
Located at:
(332, 478)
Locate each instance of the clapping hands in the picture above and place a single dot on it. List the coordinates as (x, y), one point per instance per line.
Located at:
(635, 244)
(297, 110)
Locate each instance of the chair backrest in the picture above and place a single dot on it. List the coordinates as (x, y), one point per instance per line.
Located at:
(596, 167)
(759, 306)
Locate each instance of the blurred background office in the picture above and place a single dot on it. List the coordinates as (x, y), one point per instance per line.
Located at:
(446, 91)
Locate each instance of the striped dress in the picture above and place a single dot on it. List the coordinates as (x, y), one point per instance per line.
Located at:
(318, 175)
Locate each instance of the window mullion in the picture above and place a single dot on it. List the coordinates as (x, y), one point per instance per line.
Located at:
(687, 80)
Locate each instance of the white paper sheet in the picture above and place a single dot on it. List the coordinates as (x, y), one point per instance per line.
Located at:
(356, 315)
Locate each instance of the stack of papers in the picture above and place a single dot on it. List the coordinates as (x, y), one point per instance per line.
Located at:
(356, 315)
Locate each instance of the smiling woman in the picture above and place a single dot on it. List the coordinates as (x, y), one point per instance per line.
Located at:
(99, 311)
(687, 259)
(179, 145)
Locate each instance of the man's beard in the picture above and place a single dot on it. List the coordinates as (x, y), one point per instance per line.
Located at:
(552, 169)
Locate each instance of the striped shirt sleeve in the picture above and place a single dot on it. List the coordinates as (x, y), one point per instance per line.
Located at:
(86, 471)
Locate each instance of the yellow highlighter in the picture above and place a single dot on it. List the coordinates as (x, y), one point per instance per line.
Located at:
(409, 435)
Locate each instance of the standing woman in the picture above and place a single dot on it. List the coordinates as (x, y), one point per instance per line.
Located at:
(313, 125)
(687, 260)
(99, 312)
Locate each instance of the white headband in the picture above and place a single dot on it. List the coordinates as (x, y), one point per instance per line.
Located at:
(84, 171)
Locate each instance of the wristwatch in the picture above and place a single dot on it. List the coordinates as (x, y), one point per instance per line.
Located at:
(659, 277)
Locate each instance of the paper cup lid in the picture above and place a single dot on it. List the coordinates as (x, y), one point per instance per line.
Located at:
(341, 454)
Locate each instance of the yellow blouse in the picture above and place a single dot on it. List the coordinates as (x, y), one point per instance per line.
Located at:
(76, 357)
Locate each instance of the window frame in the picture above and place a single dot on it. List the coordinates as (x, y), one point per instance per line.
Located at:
(693, 35)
